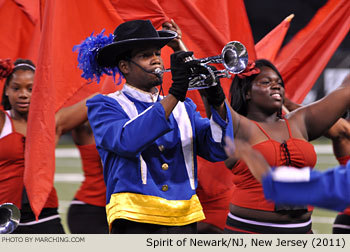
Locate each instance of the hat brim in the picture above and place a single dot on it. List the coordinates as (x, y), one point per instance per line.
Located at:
(109, 55)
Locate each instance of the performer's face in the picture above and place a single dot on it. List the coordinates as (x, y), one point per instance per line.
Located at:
(19, 90)
(267, 90)
(148, 58)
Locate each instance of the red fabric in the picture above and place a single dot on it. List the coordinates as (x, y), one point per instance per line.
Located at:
(215, 189)
(146, 9)
(93, 188)
(269, 46)
(65, 24)
(20, 36)
(31, 8)
(303, 59)
(343, 160)
(249, 192)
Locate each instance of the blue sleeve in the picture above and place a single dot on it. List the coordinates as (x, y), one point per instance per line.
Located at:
(329, 189)
(116, 132)
(210, 134)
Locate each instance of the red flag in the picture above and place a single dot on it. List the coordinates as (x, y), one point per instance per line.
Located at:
(136, 9)
(20, 35)
(65, 24)
(269, 46)
(303, 59)
(31, 8)
(203, 32)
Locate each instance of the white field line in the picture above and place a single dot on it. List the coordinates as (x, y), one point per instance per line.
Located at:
(69, 177)
(67, 153)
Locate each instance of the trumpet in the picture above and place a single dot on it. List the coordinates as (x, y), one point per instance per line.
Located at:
(9, 218)
(234, 57)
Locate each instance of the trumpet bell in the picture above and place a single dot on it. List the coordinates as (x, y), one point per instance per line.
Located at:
(9, 218)
(234, 57)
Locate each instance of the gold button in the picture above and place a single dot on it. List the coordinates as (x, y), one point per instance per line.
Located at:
(165, 188)
(161, 148)
(165, 166)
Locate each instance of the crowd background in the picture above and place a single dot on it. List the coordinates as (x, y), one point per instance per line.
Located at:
(46, 31)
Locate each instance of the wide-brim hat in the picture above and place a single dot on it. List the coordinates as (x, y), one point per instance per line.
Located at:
(129, 35)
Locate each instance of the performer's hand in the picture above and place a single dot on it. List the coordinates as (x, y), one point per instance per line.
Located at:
(176, 44)
(215, 94)
(180, 71)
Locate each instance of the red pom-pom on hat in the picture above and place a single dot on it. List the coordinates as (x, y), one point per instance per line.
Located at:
(6, 67)
(249, 70)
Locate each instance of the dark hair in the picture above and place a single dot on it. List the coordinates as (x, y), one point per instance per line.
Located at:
(240, 87)
(27, 65)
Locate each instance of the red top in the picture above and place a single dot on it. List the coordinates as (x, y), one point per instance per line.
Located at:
(215, 188)
(12, 170)
(293, 152)
(93, 188)
(343, 161)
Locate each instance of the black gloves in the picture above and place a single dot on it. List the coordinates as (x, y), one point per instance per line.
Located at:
(181, 71)
(215, 94)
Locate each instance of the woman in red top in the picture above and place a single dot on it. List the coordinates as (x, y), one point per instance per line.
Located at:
(340, 136)
(13, 126)
(257, 97)
(87, 212)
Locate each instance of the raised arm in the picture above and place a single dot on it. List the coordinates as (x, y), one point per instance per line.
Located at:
(340, 136)
(176, 44)
(316, 118)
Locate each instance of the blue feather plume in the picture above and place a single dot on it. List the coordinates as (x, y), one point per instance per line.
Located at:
(87, 51)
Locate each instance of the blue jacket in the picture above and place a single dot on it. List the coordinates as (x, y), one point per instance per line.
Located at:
(329, 189)
(150, 165)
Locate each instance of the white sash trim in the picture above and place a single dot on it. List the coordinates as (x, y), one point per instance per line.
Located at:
(130, 109)
(7, 128)
(268, 224)
(185, 127)
(77, 202)
(40, 221)
(291, 174)
(341, 226)
(216, 131)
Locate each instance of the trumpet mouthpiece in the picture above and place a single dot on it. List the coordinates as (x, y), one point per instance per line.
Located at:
(158, 71)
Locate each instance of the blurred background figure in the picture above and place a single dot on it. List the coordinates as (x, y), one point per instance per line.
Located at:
(87, 211)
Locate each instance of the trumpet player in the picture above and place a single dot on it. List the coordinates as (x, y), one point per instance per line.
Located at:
(148, 143)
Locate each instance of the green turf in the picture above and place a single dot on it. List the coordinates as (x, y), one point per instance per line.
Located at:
(322, 219)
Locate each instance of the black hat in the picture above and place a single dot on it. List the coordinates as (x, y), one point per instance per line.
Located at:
(129, 35)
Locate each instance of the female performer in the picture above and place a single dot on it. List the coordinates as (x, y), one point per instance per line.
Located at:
(257, 97)
(13, 126)
(340, 136)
